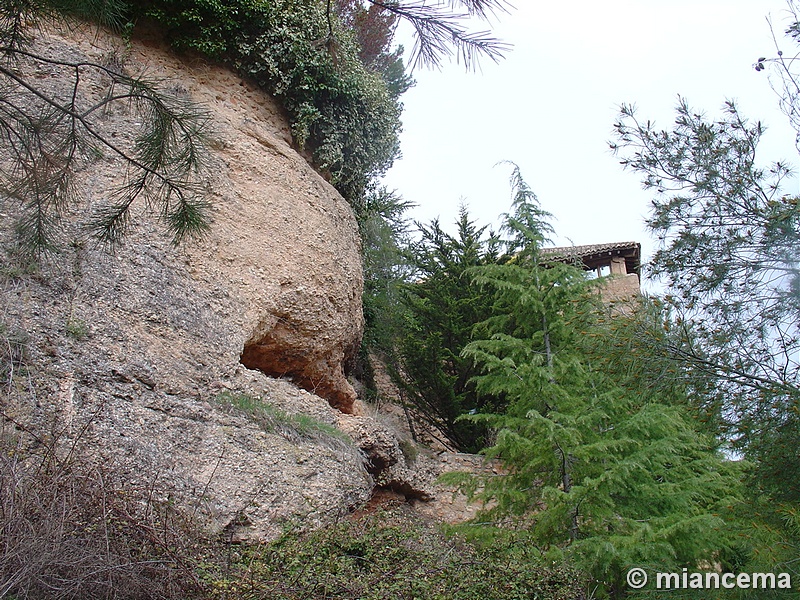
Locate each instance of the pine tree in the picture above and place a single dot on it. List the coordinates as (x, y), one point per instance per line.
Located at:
(440, 32)
(731, 262)
(729, 256)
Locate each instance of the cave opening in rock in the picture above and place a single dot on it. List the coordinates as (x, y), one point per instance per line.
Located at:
(283, 354)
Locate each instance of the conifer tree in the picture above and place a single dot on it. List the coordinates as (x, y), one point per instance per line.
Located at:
(612, 477)
(385, 233)
(442, 305)
(729, 256)
(440, 32)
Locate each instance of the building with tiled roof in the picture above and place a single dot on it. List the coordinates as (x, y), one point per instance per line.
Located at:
(621, 260)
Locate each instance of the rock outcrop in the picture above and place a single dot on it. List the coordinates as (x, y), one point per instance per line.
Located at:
(142, 354)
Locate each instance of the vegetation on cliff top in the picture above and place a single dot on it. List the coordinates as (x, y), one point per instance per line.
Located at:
(342, 97)
(331, 64)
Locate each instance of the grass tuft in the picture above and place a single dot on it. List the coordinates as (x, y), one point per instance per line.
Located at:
(294, 427)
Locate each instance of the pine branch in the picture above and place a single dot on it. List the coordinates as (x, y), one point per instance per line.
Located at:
(440, 33)
(49, 139)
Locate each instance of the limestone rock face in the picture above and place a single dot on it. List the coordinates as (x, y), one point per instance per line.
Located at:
(133, 350)
(280, 270)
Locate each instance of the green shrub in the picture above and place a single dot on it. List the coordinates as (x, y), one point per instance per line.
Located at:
(77, 328)
(388, 554)
(347, 114)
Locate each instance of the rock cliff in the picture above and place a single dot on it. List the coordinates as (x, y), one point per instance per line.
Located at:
(154, 357)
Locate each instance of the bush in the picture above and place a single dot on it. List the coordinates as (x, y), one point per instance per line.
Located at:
(386, 554)
(347, 114)
(73, 528)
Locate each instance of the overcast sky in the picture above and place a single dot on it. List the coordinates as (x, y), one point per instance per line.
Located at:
(551, 104)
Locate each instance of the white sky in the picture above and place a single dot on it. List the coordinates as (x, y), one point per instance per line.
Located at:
(551, 104)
